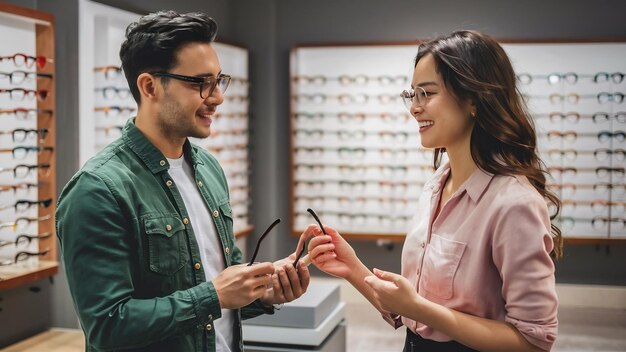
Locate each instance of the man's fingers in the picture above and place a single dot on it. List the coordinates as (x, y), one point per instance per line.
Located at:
(305, 276)
(294, 279)
(261, 269)
(286, 284)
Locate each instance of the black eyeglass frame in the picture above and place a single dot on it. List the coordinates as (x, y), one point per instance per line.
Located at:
(258, 243)
(212, 81)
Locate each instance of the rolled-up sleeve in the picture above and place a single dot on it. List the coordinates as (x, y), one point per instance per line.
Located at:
(521, 245)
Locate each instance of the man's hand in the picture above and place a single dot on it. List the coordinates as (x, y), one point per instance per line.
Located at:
(240, 285)
(287, 283)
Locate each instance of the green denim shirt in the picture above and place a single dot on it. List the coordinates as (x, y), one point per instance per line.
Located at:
(130, 253)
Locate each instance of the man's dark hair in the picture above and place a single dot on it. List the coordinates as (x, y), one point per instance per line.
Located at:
(152, 42)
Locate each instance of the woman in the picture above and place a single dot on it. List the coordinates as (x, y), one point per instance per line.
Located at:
(477, 272)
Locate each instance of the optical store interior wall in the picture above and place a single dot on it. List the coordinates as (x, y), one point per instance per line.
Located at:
(269, 30)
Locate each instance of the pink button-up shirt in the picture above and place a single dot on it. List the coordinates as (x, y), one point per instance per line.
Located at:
(486, 254)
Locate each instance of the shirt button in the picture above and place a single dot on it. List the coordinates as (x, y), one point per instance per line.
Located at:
(216, 213)
(227, 250)
(168, 227)
(209, 327)
(162, 162)
(185, 221)
(169, 183)
(199, 183)
(422, 244)
(197, 266)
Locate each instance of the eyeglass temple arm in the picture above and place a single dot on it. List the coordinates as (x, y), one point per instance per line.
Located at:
(258, 244)
(306, 258)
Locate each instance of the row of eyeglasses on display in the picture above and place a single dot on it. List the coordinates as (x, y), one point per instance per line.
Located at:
(23, 155)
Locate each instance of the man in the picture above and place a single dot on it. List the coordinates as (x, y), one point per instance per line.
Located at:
(146, 225)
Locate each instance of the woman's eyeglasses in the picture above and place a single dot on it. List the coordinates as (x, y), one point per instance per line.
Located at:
(417, 96)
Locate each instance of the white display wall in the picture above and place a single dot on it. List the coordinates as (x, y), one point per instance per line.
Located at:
(569, 84)
(357, 158)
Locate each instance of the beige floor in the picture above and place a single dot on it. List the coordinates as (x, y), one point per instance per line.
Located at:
(580, 329)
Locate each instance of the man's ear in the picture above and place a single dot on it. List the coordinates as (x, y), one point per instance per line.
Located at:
(147, 85)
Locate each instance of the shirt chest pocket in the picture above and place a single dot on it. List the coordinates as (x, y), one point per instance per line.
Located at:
(166, 244)
(441, 262)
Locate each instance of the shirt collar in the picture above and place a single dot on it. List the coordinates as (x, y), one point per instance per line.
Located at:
(475, 185)
(151, 155)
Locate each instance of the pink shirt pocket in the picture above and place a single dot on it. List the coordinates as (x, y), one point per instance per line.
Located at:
(441, 261)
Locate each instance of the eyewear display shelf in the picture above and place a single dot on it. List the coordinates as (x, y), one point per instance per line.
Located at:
(107, 104)
(27, 142)
(356, 156)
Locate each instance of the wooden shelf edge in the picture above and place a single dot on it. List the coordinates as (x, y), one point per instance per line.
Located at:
(401, 237)
(594, 240)
(364, 236)
(46, 269)
(245, 232)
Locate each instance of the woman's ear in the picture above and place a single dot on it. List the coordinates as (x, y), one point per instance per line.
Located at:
(473, 109)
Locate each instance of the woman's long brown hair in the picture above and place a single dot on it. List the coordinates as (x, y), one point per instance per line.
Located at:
(474, 67)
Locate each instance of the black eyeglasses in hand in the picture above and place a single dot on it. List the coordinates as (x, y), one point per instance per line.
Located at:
(258, 244)
(312, 212)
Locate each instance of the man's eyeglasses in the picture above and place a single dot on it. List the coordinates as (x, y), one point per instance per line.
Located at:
(205, 84)
(417, 96)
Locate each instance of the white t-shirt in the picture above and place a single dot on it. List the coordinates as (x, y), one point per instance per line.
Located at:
(208, 242)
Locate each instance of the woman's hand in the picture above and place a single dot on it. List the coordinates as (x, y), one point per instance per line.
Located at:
(394, 293)
(331, 253)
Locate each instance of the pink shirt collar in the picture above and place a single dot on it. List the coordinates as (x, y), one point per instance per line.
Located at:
(475, 185)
